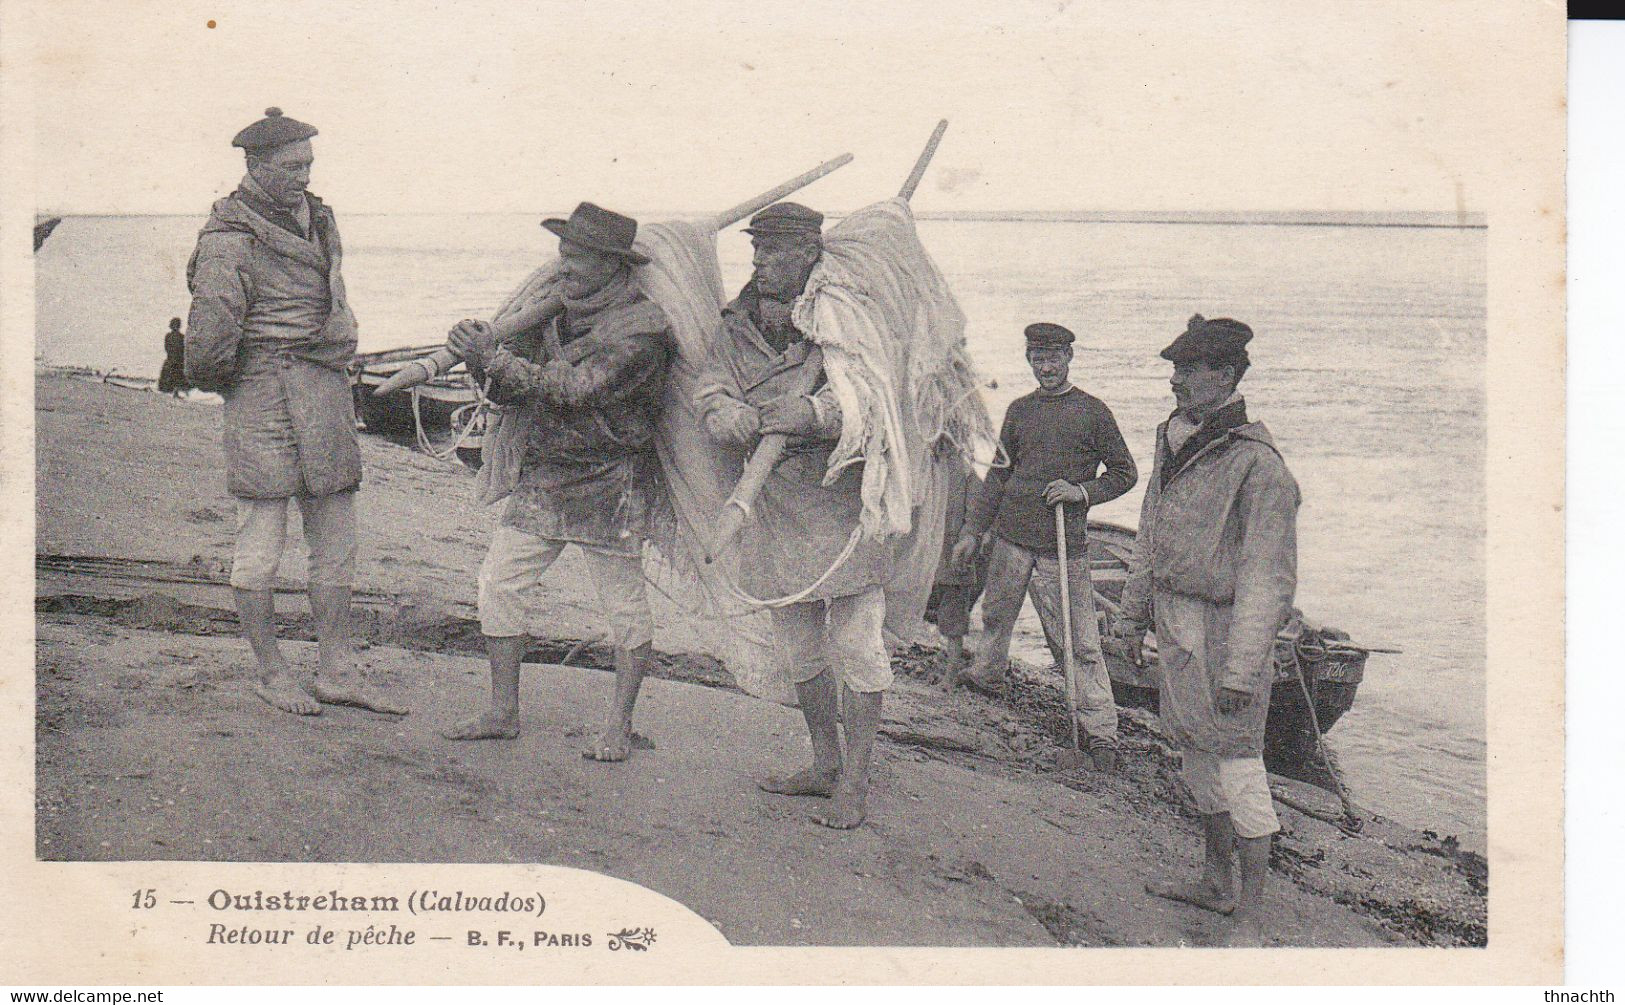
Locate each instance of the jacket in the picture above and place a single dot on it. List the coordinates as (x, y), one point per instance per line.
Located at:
(1219, 524)
(271, 330)
(589, 410)
(798, 525)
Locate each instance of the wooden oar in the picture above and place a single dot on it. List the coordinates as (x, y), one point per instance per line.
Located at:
(770, 448)
(506, 327)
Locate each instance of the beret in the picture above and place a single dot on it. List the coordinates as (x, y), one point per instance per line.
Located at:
(1216, 340)
(273, 131)
(786, 218)
(1044, 335)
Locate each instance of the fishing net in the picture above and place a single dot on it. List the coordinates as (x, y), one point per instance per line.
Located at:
(893, 338)
(894, 352)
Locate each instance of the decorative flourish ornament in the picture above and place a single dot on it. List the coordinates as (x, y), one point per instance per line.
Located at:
(639, 939)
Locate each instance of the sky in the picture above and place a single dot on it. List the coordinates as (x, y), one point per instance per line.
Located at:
(693, 105)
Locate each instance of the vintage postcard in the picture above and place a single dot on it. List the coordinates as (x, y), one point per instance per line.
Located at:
(786, 492)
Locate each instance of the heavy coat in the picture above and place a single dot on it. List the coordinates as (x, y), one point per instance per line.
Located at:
(271, 330)
(798, 525)
(1217, 548)
(586, 389)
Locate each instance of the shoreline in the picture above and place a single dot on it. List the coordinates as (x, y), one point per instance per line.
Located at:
(160, 633)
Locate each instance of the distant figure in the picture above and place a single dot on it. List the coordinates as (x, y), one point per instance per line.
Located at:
(1058, 439)
(1213, 573)
(172, 378)
(271, 331)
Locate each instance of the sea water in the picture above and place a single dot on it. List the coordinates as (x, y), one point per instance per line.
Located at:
(1368, 368)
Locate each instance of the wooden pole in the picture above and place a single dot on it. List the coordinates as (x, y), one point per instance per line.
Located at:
(770, 448)
(930, 151)
(1068, 661)
(441, 360)
(728, 217)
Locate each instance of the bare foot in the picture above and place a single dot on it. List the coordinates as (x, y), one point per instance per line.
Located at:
(1245, 931)
(802, 783)
(613, 745)
(354, 694)
(281, 691)
(1200, 893)
(846, 811)
(492, 725)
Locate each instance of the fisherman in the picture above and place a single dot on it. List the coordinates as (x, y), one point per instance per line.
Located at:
(172, 377)
(1213, 572)
(799, 527)
(591, 394)
(271, 331)
(1057, 439)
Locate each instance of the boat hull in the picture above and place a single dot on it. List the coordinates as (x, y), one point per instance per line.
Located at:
(435, 409)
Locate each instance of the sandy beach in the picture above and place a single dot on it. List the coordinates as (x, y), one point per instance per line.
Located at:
(150, 744)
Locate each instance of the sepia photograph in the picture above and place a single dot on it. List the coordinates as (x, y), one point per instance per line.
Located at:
(933, 476)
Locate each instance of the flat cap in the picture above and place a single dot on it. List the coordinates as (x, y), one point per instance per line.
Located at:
(786, 218)
(1044, 335)
(1204, 340)
(273, 131)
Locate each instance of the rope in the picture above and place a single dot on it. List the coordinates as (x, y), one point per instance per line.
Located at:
(1350, 811)
(481, 407)
(798, 597)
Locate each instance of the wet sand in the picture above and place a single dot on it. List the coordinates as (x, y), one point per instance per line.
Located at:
(973, 839)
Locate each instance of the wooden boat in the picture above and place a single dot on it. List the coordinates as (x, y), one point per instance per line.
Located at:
(1332, 667)
(429, 415)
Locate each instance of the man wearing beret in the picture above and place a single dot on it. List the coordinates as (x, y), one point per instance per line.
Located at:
(271, 331)
(799, 526)
(1213, 573)
(1064, 449)
(589, 383)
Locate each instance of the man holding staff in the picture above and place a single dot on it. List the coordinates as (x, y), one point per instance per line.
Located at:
(1215, 566)
(589, 381)
(271, 331)
(799, 527)
(1058, 439)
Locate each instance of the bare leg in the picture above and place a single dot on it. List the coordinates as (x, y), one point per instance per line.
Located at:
(615, 742)
(817, 700)
(1247, 923)
(337, 682)
(501, 722)
(862, 719)
(1215, 889)
(256, 612)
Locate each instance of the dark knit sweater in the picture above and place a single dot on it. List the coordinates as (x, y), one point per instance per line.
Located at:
(1068, 436)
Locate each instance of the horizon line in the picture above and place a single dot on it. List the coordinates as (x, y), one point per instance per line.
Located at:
(1438, 219)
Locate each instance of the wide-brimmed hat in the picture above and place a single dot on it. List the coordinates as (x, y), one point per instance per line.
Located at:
(601, 230)
(273, 131)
